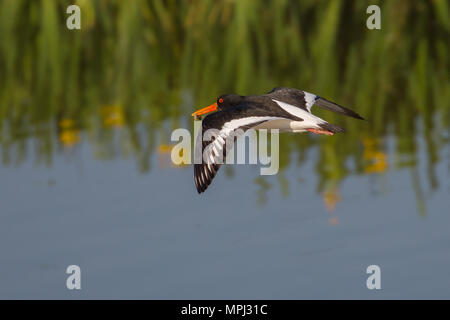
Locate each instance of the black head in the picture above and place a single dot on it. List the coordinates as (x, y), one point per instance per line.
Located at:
(228, 100)
(223, 102)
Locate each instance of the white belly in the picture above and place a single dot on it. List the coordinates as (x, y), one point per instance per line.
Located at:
(286, 125)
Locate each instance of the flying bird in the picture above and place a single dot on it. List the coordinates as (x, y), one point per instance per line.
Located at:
(285, 109)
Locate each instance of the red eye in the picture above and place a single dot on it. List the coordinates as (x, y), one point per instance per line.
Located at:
(220, 100)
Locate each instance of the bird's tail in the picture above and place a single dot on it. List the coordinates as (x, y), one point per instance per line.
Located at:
(331, 127)
(328, 105)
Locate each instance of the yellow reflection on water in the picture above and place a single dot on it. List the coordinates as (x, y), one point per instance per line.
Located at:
(331, 197)
(69, 135)
(377, 161)
(164, 157)
(113, 116)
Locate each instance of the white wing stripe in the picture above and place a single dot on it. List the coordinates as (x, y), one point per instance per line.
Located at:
(295, 111)
(214, 149)
(309, 99)
(309, 119)
(217, 145)
(236, 123)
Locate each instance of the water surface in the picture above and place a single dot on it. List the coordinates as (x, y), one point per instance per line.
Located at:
(86, 177)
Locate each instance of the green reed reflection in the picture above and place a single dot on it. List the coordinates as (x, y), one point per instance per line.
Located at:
(136, 64)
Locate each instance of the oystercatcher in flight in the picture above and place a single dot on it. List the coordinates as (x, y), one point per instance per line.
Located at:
(286, 109)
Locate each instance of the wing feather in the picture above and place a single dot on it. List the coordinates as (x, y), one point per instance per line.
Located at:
(215, 150)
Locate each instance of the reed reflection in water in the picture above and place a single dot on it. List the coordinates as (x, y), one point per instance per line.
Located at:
(137, 69)
(85, 172)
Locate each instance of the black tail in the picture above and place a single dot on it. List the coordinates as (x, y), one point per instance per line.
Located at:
(331, 127)
(324, 103)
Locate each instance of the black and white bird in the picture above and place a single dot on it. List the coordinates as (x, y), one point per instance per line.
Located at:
(285, 109)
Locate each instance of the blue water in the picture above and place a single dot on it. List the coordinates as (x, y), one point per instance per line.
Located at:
(151, 236)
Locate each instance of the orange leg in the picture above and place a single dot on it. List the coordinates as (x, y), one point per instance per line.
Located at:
(318, 131)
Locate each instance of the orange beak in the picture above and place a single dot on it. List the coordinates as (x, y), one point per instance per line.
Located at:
(208, 109)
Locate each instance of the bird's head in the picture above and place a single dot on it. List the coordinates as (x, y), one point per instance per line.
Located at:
(223, 102)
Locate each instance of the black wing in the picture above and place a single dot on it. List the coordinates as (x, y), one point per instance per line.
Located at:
(292, 96)
(306, 100)
(229, 125)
